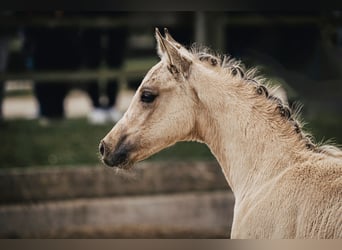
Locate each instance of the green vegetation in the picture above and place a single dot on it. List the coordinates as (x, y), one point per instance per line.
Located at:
(69, 142)
(326, 127)
(73, 142)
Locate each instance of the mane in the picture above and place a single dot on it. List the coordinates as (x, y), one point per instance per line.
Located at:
(235, 68)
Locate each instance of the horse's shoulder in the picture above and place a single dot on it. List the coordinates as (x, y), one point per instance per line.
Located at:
(317, 176)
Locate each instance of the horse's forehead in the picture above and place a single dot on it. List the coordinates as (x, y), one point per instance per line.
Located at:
(154, 71)
(153, 75)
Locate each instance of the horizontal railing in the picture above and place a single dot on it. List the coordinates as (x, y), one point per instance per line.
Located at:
(132, 69)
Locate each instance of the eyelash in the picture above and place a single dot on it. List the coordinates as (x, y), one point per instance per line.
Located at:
(147, 97)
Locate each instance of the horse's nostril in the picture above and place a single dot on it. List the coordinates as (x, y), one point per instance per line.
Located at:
(102, 148)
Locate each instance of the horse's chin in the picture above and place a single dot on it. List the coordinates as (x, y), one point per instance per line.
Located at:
(122, 166)
(126, 166)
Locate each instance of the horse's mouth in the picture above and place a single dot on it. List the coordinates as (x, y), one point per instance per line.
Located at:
(118, 161)
(119, 157)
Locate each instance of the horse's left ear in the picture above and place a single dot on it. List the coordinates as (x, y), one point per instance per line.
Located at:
(178, 63)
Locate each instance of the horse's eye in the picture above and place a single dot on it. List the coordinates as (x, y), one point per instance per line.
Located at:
(147, 97)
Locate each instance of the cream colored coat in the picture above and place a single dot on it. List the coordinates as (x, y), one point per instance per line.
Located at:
(284, 185)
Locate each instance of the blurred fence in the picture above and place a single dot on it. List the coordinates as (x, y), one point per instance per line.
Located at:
(171, 199)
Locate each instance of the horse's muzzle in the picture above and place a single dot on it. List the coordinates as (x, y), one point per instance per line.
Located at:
(118, 158)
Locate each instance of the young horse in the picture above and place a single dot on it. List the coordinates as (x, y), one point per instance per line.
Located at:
(284, 185)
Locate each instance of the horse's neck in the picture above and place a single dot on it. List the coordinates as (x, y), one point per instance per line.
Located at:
(248, 149)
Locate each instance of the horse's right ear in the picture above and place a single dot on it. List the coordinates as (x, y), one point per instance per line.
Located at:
(171, 39)
(178, 62)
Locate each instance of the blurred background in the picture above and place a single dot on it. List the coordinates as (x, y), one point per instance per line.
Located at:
(67, 77)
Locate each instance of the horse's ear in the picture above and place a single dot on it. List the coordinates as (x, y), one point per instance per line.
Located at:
(170, 39)
(160, 44)
(177, 62)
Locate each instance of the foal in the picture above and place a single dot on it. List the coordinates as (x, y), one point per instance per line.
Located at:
(284, 185)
